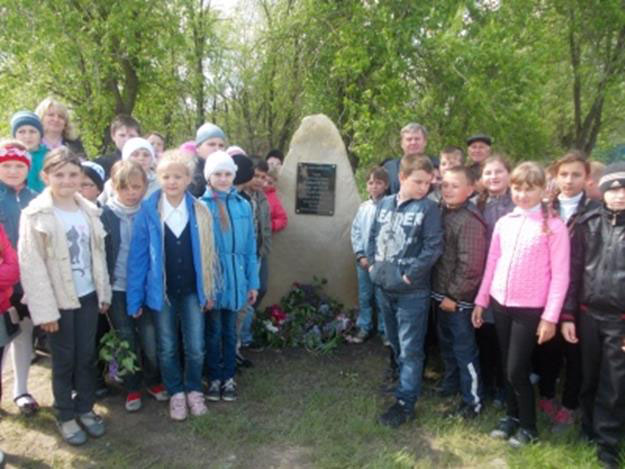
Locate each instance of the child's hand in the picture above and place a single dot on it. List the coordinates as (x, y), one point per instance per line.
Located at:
(50, 327)
(251, 296)
(448, 305)
(104, 307)
(476, 317)
(209, 305)
(623, 346)
(406, 280)
(568, 332)
(364, 262)
(138, 314)
(545, 332)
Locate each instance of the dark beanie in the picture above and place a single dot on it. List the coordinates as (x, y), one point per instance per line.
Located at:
(245, 169)
(22, 118)
(613, 177)
(95, 172)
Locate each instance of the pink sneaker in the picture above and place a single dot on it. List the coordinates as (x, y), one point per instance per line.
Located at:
(548, 407)
(178, 407)
(197, 406)
(563, 419)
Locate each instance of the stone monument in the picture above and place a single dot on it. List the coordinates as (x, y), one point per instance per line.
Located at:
(319, 193)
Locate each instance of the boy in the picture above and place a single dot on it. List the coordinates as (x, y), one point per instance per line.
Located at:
(92, 183)
(208, 139)
(455, 281)
(28, 129)
(592, 183)
(123, 127)
(405, 241)
(594, 315)
(377, 183)
(274, 159)
(450, 157)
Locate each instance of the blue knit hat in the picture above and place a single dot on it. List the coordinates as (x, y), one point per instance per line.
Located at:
(21, 118)
(206, 131)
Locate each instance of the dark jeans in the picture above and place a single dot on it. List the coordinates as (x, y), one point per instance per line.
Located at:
(182, 313)
(406, 321)
(550, 358)
(491, 367)
(516, 330)
(140, 334)
(74, 359)
(603, 388)
(456, 338)
(221, 342)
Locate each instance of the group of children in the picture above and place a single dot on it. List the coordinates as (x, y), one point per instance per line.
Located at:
(522, 281)
(124, 243)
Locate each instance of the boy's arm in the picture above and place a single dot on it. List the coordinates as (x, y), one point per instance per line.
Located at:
(432, 246)
(373, 234)
(494, 253)
(358, 243)
(559, 255)
(138, 263)
(471, 252)
(570, 309)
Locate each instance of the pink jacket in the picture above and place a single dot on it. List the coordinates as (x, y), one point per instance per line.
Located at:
(525, 267)
(279, 217)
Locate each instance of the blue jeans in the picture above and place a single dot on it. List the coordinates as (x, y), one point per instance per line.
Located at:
(184, 312)
(406, 322)
(367, 292)
(245, 331)
(456, 338)
(221, 342)
(140, 334)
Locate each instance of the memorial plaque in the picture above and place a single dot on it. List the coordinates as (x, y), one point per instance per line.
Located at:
(316, 188)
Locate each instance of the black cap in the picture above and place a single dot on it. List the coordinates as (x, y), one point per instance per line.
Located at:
(480, 138)
(245, 169)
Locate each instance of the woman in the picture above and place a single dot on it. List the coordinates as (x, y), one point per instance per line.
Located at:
(57, 128)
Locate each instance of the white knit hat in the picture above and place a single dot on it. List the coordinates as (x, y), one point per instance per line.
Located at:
(136, 143)
(219, 161)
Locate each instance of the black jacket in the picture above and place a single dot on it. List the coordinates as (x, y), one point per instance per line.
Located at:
(113, 238)
(597, 266)
(107, 162)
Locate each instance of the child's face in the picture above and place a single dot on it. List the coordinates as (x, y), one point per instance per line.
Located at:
(615, 199)
(132, 194)
(64, 181)
(375, 187)
(221, 180)
(54, 120)
(158, 143)
(29, 136)
(13, 173)
(174, 180)
(525, 196)
(274, 162)
(592, 189)
(415, 185)
(495, 178)
(456, 189)
(448, 161)
(143, 157)
(88, 189)
(210, 146)
(571, 178)
(122, 135)
(257, 183)
(478, 151)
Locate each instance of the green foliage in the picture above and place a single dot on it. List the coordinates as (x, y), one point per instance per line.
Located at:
(117, 353)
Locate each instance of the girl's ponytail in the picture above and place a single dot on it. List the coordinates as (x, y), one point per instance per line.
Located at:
(223, 216)
(546, 211)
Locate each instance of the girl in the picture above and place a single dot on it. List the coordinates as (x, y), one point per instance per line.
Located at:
(236, 247)
(526, 278)
(26, 127)
(129, 183)
(15, 195)
(170, 276)
(279, 218)
(58, 128)
(493, 202)
(63, 269)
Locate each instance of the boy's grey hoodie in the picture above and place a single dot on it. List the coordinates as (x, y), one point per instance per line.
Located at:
(405, 239)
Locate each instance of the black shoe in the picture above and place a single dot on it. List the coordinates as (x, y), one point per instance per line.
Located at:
(398, 414)
(468, 412)
(523, 437)
(243, 362)
(102, 392)
(505, 428)
(608, 457)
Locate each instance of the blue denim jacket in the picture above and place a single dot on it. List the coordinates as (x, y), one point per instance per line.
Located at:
(146, 263)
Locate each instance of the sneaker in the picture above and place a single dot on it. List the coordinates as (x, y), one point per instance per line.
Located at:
(229, 390)
(563, 420)
(72, 433)
(242, 361)
(196, 403)
(178, 407)
(214, 391)
(523, 437)
(505, 428)
(102, 391)
(133, 401)
(159, 393)
(608, 457)
(468, 412)
(360, 336)
(92, 423)
(398, 414)
(548, 407)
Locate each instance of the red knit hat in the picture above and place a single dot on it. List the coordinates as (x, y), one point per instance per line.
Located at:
(13, 152)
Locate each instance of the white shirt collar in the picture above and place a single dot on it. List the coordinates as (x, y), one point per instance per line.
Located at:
(176, 218)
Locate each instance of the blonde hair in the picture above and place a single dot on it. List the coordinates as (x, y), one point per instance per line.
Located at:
(596, 170)
(69, 132)
(59, 157)
(533, 175)
(409, 164)
(124, 171)
(175, 157)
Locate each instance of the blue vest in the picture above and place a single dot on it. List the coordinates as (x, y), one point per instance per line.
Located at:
(179, 269)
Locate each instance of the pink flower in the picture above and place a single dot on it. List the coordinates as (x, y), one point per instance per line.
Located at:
(277, 315)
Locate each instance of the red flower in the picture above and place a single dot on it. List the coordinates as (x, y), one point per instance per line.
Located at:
(277, 315)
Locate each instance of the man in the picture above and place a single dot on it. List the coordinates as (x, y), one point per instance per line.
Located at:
(413, 140)
(478, 149)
